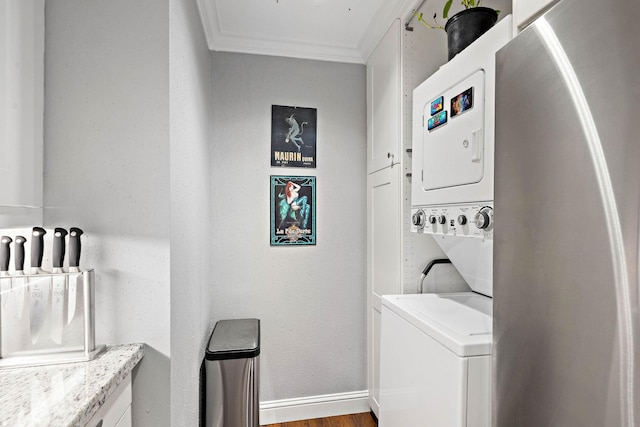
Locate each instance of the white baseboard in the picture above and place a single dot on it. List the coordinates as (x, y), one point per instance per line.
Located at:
(306, 408)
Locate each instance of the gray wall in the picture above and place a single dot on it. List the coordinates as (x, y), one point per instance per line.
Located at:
(107, 170)
(191, 273)
(311, 299)
(176, 212)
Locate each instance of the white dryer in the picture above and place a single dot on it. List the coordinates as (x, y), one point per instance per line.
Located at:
(454, 126)
(435, 362)
(453, 151)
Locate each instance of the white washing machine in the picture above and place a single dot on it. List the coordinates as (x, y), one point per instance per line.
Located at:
(436, 360)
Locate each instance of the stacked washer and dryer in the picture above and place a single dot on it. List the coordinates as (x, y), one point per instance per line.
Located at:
(436, 348)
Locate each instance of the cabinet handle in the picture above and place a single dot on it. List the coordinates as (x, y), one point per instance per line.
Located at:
(390, 156)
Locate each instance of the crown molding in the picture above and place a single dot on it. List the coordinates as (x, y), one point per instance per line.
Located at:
(217, 40)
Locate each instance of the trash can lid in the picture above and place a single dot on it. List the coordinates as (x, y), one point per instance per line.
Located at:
(234, 339)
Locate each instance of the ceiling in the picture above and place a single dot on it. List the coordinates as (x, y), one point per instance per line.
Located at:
(330, 30)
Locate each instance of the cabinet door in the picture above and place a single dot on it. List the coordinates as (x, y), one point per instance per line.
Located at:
(384, 101)
(21, 109)
(116, 410)
(126, 420)
(383, 261)
(526, 11)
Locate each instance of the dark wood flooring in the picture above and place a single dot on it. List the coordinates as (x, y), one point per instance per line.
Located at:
(354, 420)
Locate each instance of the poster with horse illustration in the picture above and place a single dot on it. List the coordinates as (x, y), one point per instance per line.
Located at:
(293, 210)
(293, 136)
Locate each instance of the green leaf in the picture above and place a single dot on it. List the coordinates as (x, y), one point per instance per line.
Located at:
(445, 11)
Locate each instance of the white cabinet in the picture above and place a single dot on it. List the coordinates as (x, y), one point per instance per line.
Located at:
(116, 411)
(383, 101)
(395, 256)
(383, 191)
(526, 11)
(21, 112)
(383, 260)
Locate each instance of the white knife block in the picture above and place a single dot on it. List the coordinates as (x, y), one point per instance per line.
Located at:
(29, 334)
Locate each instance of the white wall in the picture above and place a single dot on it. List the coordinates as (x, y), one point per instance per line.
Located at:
(310, 299)
(107, 170)
(191, 273)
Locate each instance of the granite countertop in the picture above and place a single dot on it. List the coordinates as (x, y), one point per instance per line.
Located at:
(66, 394)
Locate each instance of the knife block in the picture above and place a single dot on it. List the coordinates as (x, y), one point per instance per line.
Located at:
(35, 325)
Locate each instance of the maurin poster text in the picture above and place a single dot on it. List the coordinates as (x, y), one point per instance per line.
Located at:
(293, 136)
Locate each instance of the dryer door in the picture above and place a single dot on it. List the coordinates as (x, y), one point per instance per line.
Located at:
(453, 139)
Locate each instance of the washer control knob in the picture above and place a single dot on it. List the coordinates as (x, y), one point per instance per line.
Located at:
(442, 219)
(432, 219)
(484, 218)
(418, 218)
(462, 220)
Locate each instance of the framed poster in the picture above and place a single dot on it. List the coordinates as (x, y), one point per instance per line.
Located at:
(293, 210)
(293, 136)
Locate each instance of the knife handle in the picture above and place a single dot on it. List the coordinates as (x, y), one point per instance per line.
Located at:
(5, 253)
(58, 247)
(75, 246)
(37, 246)
(19, 253)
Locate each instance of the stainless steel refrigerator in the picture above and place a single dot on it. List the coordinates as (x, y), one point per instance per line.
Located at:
(567, 220)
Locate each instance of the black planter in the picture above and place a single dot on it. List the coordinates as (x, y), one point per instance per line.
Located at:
(466, 26)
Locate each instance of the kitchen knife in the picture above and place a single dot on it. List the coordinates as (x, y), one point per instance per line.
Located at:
(59, 284)
(39, 288)
(19, 283)
(37, 250)
(75, 248)
(5, 281)
(6, 310)
(5, 254)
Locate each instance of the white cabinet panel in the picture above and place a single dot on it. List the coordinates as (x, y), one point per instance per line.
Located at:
(374, 359)
(116, 411)
(21, 111)
(126, 420)
(383, 260)
(385, 231)
(383, 101)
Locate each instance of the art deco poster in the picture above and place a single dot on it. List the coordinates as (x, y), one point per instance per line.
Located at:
(293, 210)
(293, 136)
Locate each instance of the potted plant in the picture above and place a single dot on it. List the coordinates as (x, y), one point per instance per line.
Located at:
(465, 26)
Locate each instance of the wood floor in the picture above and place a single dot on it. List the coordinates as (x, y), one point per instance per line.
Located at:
(355, 420)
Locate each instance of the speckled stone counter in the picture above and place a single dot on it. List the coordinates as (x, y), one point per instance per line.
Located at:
(66, 394)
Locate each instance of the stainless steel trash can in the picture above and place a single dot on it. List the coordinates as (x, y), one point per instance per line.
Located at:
(232, 369)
